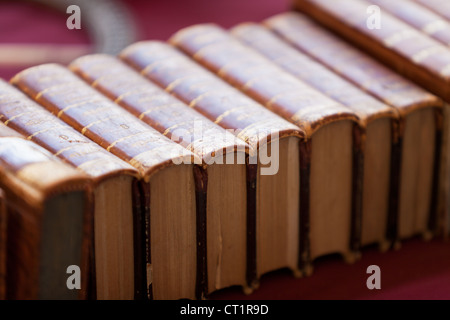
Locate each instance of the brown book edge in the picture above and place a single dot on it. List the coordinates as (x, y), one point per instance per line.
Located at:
(183, 41)
(84, 68)
(144, 288)
(3, 245)
(251, 273)
(15, 188)
(27, 129)
(398, 129)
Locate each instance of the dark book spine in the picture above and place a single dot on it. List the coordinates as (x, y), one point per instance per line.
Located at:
(141, 247)
(304, 255)
(251, 274)
(201, 186)
(145, 227)
(3, 237)
(359, 136)
(394, 188)
(366, 73)
(165, 113)
(219, 102)
(435, 215)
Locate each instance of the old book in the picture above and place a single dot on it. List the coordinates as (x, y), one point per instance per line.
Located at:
(223, 156)
(419, 129)
(377, 124)
(167, 171)
(114, 185)
(49, 224)
(332, 134)
(408, 51)
(170, 72)
(405, 49)
(418, 16)
(276, 230)
(3, 221)
(438, 6)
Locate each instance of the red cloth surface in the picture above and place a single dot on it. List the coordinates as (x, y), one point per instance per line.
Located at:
(419, 270)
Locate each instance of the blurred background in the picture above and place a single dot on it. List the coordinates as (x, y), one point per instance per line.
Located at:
(34, 32)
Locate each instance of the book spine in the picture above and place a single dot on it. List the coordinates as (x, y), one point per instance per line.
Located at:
(8, 132)
(312, 72)
(3, 246)
(273, 87)
(90, 283)
(76, 103)
(366, 73)
(304, 256)
(220, 103)
(326, 81)
(418, 16)
(22, 283)
(29, 176)
(141, 214)
(72, 100)
(145, 223)
(350, 63)
(444, 203)
(441, 8)
(35, 123)
(206, 93)
(394, 186)
(154, 106)
(400, 46)
(435, 211)
(259, 78)
(173, 119)
(359, 136)
(251, 173)
(40, 126)
(201, 186)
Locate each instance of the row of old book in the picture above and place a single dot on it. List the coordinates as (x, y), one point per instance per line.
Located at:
(183, 167)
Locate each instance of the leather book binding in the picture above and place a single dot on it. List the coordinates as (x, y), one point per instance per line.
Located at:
(373, 114)
(297, 102)
(413, 104)
(3, 255)
(209, 141)
(49, 226)
(289, 97)
(72, 100)
(249, 121)
(37, 124)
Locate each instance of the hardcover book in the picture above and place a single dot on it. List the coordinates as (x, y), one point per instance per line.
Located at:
(419, 17)
(378, 123)
(115, 187)
(180, 168)
(406, 50)
(168, 256)
(332, 136)
(275, 229)
(3, 255)
(224, 170)
(437, 6)
(49, 223)
(419, 130)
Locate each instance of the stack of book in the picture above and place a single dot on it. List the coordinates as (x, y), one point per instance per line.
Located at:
(179, 168)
